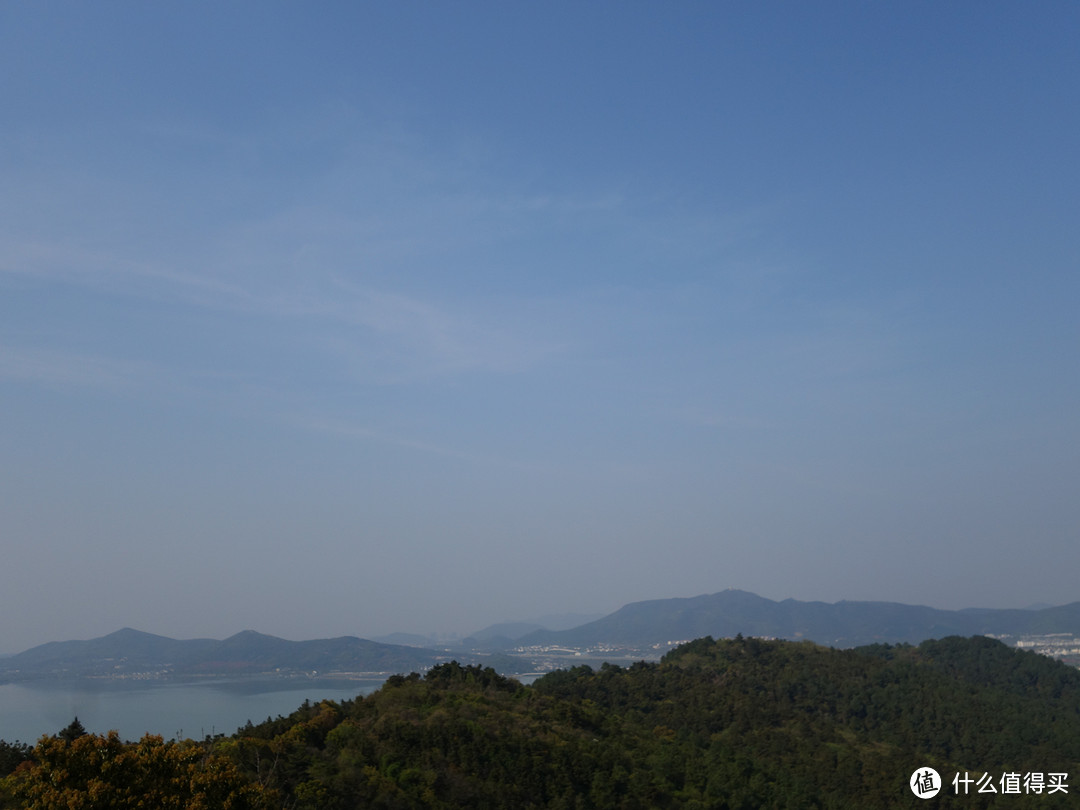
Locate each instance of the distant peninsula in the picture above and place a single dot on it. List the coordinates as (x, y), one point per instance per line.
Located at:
(131, 654)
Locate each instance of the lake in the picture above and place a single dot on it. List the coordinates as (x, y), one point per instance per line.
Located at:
(28, 710)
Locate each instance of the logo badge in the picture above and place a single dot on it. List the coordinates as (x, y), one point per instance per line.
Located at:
(925, 783)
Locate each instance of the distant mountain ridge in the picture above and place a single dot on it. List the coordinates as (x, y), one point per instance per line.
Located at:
(509, 631)
(129, 653)
(634, 628)
(840, 624)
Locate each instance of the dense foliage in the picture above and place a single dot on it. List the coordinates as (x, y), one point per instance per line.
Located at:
(741, 723)
(99, 773)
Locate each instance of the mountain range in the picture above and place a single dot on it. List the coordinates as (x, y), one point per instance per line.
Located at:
(129, 653)
(840, 624)
(637, 630)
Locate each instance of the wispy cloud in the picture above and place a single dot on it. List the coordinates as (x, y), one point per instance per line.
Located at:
(720, 420)
(61, 368)
(117, 272)
(382, 259)
(441, 338)
(352, 430)
(418, 334)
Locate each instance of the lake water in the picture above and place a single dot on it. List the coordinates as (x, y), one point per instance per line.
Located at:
(170, 709)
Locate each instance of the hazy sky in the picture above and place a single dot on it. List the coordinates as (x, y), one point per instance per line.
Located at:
(342, 318)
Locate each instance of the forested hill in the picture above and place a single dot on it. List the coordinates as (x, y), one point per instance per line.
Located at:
(840, 624)
(741, 723)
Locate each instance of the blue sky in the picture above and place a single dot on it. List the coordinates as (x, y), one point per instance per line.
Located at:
(353, 318)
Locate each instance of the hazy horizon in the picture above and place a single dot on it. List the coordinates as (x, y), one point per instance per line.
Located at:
(353, 319)
(447, 635)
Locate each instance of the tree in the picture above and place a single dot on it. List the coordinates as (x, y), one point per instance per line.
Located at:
(12, 755)
(73, 731)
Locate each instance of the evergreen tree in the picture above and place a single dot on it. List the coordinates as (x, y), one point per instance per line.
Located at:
(72, 731)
